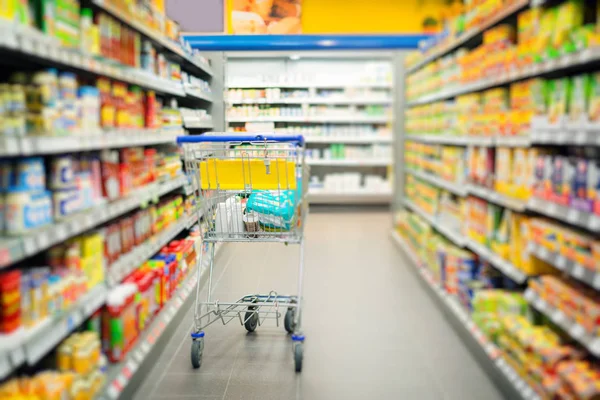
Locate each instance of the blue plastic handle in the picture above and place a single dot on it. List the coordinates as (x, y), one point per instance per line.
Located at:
(240, 138)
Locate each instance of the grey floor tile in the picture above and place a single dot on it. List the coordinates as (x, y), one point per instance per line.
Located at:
(372, 330)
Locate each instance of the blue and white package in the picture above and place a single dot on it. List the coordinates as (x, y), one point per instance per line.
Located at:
(275, 209)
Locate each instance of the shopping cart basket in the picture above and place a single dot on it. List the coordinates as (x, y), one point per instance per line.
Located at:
(250, 189)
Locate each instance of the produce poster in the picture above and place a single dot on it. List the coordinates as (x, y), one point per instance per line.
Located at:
(277, 17)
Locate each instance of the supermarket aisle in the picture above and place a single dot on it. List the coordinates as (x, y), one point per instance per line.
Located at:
(372, 331)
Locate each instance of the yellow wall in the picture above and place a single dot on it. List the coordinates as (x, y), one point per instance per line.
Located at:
(363, 16)
(367, 16)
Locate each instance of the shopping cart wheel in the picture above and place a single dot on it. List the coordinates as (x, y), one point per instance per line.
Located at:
(298, 355)
(197, 350)
(288, 321)
(251, 319)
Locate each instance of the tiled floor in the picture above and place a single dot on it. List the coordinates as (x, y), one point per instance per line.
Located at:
(372, 332)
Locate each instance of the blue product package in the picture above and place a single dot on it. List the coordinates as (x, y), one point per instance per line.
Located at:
(275, 209)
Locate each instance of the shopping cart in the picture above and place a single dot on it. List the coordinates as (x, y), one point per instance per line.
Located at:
(251, 189)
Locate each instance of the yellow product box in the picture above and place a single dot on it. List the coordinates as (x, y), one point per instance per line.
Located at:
(520, 178)
(569, 16)
(93, 269)
(504, 168)
(92, 244)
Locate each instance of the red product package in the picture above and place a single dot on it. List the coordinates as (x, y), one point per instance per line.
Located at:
(112, 242)
(111, 188)
(127, 234)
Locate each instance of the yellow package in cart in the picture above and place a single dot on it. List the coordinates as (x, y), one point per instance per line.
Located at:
(255, 173)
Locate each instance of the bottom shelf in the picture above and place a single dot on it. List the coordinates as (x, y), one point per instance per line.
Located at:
(123, 378)
(319, 196)
(486, 352)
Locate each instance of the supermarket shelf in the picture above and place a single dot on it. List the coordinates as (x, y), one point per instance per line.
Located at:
(28, 145)
(314, 100)
(124, 378)
(563, 63)
(573, 268)
(449, 233)
(316, 119)
(574, 134)
(307, 85)
(486, 352)
(320, 196)
(376, 162)
(576, 331)
(155, 36)
(566, 214)
(33, 43)
(452, 140)
(197, 94)
(198, 124)
(504, 266)
(456, 188)
(131, 261)
(17, 249)
(497, 198)
(348, 139)
(30, 345)
(465, 37)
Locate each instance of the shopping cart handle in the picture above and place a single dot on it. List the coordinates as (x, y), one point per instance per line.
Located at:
(299, 139)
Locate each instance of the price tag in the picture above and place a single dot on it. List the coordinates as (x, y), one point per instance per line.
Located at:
(578, 271)
(43, 240)
(61, 232)
(552, 208)
(558, 317)
(572, 215)
(561, 262)
(577, 331)
(544, 253)
(594, 223)
(145, 347)
(17, 356)
(29, 245)
(596, 282)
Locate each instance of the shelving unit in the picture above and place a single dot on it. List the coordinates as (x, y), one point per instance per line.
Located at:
(123, 378)
(498, 194)
(199, 88)
(486, 352)
(334, 116)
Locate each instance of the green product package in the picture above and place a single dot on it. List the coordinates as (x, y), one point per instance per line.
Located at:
(560, 90)
(579, 97)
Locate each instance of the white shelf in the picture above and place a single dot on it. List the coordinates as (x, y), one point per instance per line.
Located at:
(456, 188)
(154, 35)
(314, 100)
(563, 63)
(566, 214)
(506, 267)
(13, 250)
(497, 198)
(208, 124)
(121, 374)
(576, 331)
(320, 196)
(30, 345)
(308, 85)
(34, 43)
(466, 36)
(376, 162)
(452, 140)
(472, 331)
(349, 139)
(197, 94)
(316, 119)
(568, 266)
(28, 145)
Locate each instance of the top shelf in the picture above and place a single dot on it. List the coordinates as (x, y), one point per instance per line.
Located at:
(442, 50)
(305, 85)
(159, 39)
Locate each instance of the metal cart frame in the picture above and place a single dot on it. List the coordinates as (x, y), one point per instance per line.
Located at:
(250, 188)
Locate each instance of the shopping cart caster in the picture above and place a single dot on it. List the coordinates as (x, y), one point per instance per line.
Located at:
(298, 348)
(298, 356)
(288, 320)
(251, 319)
(197, 349)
